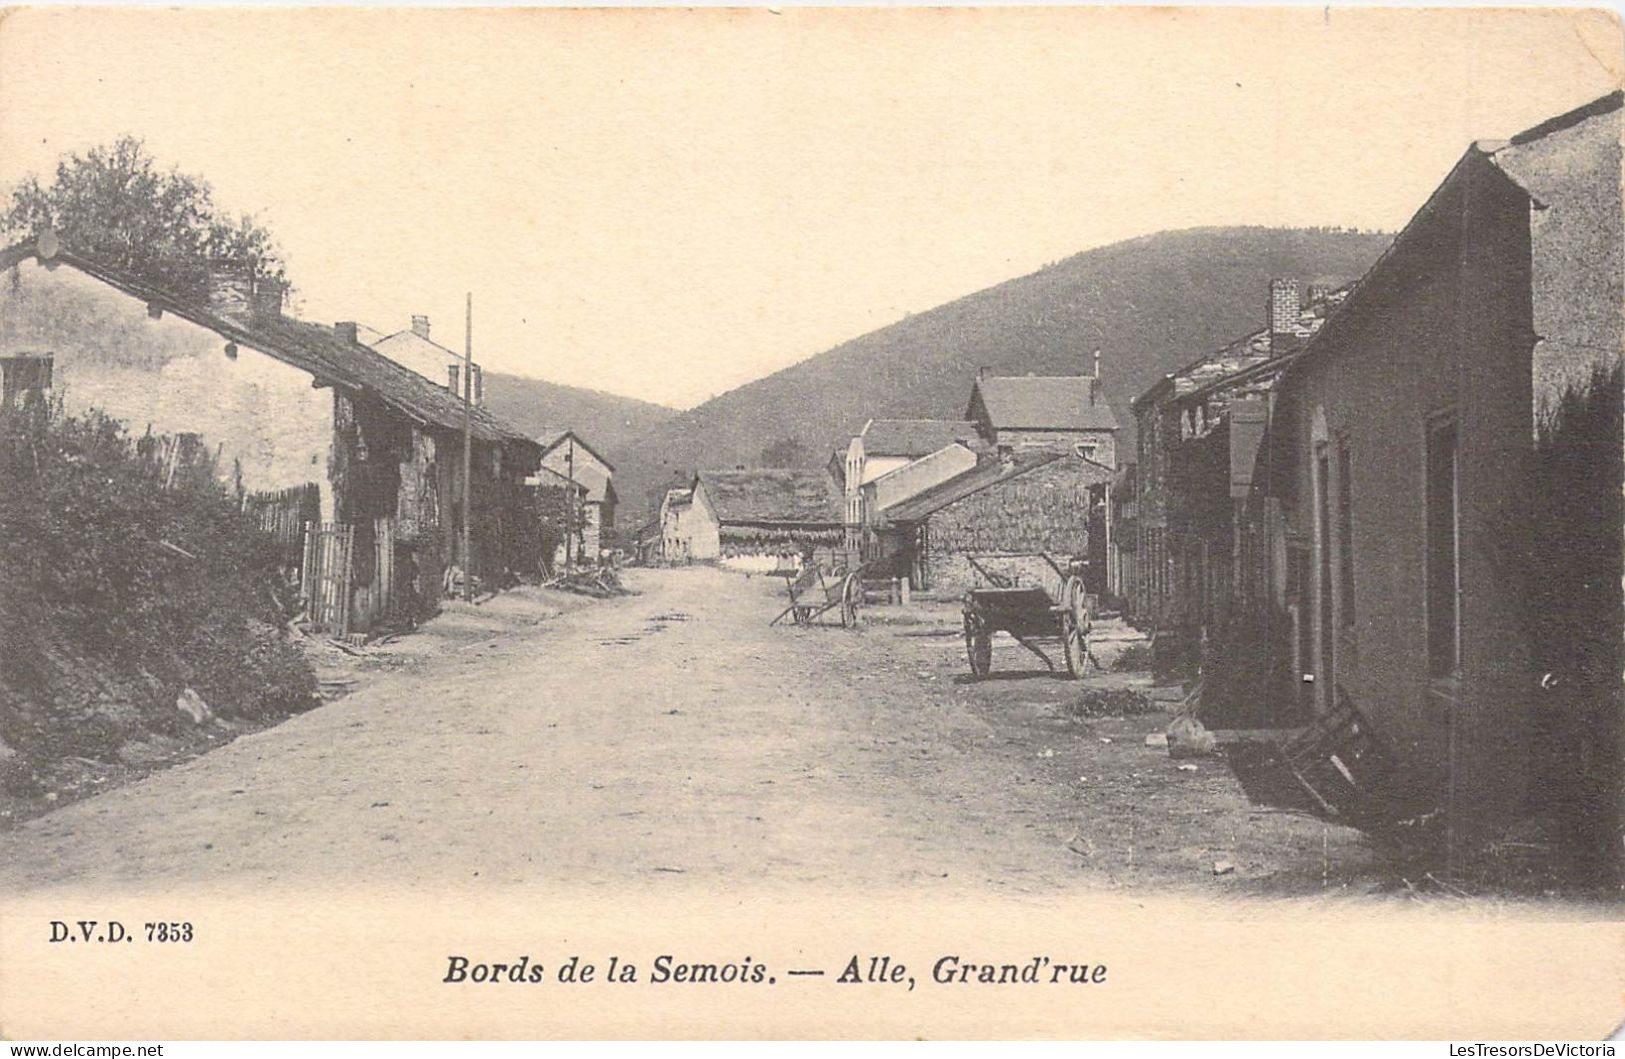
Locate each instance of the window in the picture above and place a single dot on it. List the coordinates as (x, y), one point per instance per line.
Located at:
(1345, 536)
(1443, 552)
(24, 374)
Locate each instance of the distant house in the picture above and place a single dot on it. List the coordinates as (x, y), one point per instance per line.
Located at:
(309, 424)
(886, 445)
(1184, 456)
(560, 503)
(748, 518)
(1060, 412)
(674, 506)
(415, 350)
(1031, 500)
(1430, 536)
(563, 451)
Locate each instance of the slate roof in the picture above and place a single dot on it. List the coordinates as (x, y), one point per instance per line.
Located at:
(313, 348)
(774, 495)
(1040, 402)
(987, 473)
(915, 437)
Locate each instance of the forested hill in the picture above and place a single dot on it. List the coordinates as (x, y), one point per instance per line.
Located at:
(1149, 304)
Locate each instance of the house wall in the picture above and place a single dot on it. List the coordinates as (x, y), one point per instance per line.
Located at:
(912, 479)
(1046, 509)
(424, 357)
(597, 476)
(875, 466)
(700, 535)
(673, 532)
(1104, 441)
(261, 414)
(1442, 327)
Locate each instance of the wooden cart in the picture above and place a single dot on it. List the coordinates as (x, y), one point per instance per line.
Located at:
(815, 591)
(1029, 596)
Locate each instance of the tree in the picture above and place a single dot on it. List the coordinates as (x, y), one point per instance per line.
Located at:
(786, 452)
(114, 203)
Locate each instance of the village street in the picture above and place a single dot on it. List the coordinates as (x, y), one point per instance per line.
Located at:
(671, 737)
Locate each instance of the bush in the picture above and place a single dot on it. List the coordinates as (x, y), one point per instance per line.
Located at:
(1133, 658)
(1111, 702)
(128, 574)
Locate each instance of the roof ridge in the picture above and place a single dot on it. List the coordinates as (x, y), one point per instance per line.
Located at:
(1601, 105)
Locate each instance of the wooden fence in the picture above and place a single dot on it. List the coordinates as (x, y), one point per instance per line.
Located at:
(325, 576)
(283, 514)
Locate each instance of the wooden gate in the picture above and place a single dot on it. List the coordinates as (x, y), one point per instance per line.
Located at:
(326, 576)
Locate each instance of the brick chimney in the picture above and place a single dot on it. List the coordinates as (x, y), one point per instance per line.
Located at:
(268, 295)
(345, 329)
(1283, 306)
(229, 289)
(420, 325)
(1094, 381)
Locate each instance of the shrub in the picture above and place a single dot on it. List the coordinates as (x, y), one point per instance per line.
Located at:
(1110, 702)
(127, 574)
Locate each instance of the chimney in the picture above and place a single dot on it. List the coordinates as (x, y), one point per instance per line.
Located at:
(345, 329)
(268, 295)
(420, 326)
(1318, 293)
(1094, 382)
(451, 379)
(479, 385)
(229, 290)
(1097, 365)
(1283, 306)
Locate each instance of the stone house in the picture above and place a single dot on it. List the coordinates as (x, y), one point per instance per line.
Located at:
(1066, 412)
(1181, 524)
(1037, 499)
(749, 519)
(1431, 535)
(312, 428)
(887, 445)
(564, 452)
(415, 350)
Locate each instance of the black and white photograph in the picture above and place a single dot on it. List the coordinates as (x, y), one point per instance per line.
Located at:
(967, 522)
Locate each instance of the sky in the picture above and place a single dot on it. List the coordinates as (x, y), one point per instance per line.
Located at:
(666, 204)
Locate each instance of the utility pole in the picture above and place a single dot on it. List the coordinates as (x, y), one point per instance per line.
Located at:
(569, 504)
(468, 445)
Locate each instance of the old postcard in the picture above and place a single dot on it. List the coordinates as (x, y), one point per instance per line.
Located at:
(1067, 522)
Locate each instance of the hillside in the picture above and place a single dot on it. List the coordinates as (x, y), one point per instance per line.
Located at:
(1148, 304)
(609, 423)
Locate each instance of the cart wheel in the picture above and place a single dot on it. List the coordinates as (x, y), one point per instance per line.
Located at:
(1075, 645)
(851, 597)
(1077, 601)
(978, 646)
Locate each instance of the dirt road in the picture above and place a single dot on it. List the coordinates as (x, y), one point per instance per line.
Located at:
(671, 735)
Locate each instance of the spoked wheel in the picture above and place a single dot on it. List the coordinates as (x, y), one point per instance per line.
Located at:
(1076, 598)
(978, 646)
(1075, 646)
(851, 599)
